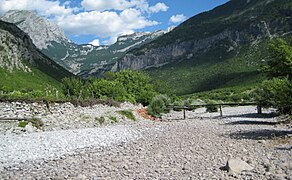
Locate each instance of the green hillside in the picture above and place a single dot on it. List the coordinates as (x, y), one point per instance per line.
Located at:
(25, 82)
(23, 67)
(222, 48)
(215, 70)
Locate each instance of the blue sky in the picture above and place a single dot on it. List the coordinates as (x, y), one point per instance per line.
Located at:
(102, 21)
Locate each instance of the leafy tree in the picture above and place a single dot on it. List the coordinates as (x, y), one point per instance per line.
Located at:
(102, 88)
(72, 86)
(277, 92)
(137, 84)
(280, 60)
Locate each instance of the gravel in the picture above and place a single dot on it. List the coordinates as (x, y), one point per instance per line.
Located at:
(195, 148)
(54, 144)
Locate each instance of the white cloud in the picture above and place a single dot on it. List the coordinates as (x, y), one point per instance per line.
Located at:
(101, 18)
(158, 7)
(95, 42)
(43, 7)
(102, 5)
(104, 24)
(110, 41)
(177, 18)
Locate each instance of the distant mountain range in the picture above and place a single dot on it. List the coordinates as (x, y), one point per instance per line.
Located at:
(50, 39)
(220, 48)
(22, 65)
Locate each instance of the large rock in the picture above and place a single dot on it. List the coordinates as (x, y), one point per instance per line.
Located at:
(236, 165)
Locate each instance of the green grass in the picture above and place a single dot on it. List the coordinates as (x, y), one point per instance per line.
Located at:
(113, 119)
(128, 114)
(26, 81)
(233, 94)
(215, 69)
(22, 124)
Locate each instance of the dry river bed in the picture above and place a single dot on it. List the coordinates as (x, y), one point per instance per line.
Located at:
(195, 148)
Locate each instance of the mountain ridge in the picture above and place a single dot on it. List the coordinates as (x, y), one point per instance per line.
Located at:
(21, 61)
(223, 37)
(50, 39)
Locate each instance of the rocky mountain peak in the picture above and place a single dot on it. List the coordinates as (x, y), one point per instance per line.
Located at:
(41, 31)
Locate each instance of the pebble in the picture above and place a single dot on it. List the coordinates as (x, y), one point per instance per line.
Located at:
(194, 148)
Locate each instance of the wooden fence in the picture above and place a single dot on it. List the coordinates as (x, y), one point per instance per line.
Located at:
(192, 107)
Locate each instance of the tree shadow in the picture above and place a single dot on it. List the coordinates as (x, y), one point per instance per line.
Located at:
(260, 134)
(284, 148)
(253, 115)
(247, 122)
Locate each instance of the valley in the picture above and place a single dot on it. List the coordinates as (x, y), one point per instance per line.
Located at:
(149, 105)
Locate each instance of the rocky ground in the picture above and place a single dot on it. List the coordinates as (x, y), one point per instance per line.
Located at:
(195, 148)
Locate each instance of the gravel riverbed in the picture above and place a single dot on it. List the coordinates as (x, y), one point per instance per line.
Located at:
(195, 148)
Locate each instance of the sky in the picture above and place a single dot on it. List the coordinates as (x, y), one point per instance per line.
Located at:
(100, 22)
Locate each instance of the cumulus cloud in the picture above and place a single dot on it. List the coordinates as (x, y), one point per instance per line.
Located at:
(158, 7)
(104, 24)
(95, 42)
(177, 18)
(43, 7)
(101, 18)
(103, 5)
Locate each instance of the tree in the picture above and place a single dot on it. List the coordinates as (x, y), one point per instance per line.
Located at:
(137, 84)
(72, 86)
(280, 59)
(277, 92)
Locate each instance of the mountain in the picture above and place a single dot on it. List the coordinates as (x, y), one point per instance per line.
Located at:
(22, 65)
(41, 31)
(220, 48)
(50, 39)
(99, 60)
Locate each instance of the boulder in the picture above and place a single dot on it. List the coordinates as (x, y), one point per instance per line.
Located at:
(236, 165)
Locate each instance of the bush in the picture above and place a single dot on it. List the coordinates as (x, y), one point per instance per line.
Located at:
(128, 114)
(113, 119)
(276, 93)
(100, 120)
(36, 122)
(72, 86)
(137, 85)
(22, 124)
(158, 105)
(212, 108)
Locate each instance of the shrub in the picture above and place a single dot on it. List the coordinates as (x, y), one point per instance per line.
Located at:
(36, 122)
(137, 85)
(158, 105)
(211, 108)
(22, 124)
(128, 114)
(72, 86)
(100, 120)
(113, 119)
(275, 93)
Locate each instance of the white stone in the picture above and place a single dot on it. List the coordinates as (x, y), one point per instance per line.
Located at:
(236, 165)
